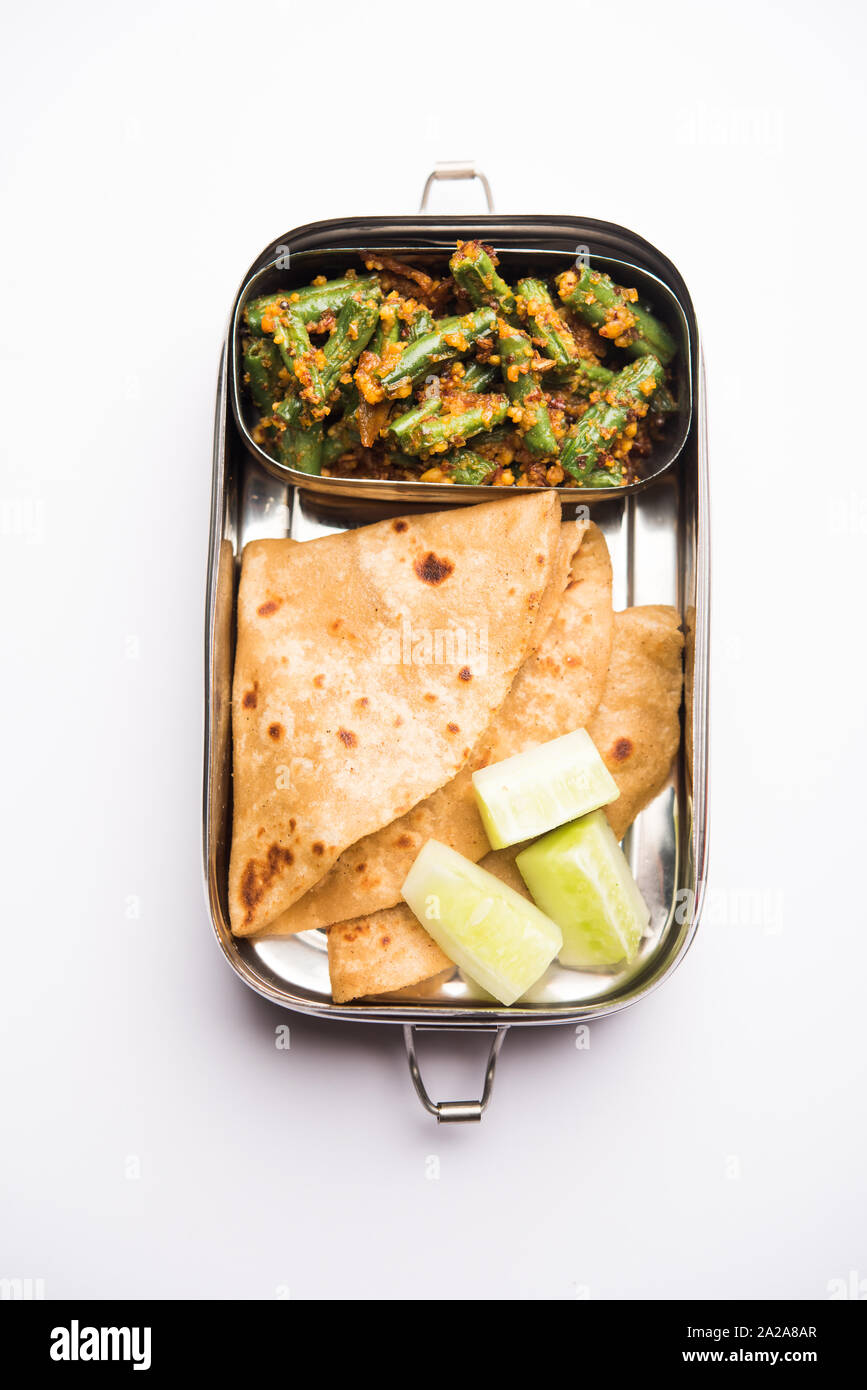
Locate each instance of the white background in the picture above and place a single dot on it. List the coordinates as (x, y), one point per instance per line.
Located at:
(711, 1142)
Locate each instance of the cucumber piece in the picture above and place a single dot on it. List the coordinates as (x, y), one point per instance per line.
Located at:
(534, 791)
(499, 938)
(579, 876)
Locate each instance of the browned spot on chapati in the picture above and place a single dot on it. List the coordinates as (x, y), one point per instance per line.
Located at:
(453, 728)
(347, 737)
(465, 674)
(291, 823)
(533, 600)
(621, 750)
(335, 625)
(259, 874)
(275, 731)
(318, 847)
(400, 525)
(360, 868)
(385, 941)
(251, 697)
(398, 721)
(269, 606)
(319, 681)
(540, 559)
(404, 841)
(431, 698)
(362, 702)
(433, 569)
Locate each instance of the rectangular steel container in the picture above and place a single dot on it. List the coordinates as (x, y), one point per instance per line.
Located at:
(657, 532)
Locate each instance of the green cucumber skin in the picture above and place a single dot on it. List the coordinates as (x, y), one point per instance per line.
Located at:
(580, 878)
(505, 957)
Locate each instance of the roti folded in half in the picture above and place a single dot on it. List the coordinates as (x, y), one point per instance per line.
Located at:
(556, 690)
(636, 728)
(368, 665)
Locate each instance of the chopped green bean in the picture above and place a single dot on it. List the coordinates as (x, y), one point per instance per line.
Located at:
(301, 448)
(601, 428)
(441, 428)
(465, 466)
(475, 272)
(523, 389)
(261, 366)
(355, 326)
(615, 313)
(545, 325)
(450, 338)
(308, 304)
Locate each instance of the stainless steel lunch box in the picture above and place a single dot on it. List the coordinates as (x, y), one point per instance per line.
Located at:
(657, 532)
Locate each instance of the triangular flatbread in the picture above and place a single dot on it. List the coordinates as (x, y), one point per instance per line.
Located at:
(341, 721)
(556, 690)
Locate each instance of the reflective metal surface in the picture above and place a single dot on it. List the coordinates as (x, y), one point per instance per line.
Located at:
(658, 538)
